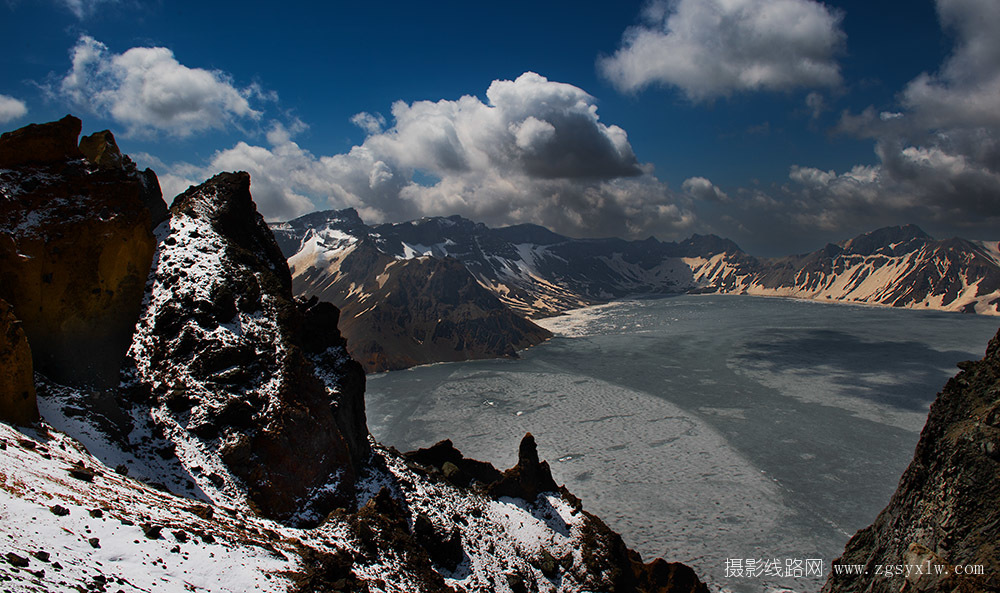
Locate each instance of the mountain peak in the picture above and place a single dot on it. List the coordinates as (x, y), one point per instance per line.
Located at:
(346, 218)
(701, 245)
(871, 242)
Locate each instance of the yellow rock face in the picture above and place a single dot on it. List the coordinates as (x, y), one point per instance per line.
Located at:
(75, 250)
(17, 381)
(78, 288)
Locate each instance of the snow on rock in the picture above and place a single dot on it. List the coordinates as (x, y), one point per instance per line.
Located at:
(918, 273)
(226, 360)
(72, 523)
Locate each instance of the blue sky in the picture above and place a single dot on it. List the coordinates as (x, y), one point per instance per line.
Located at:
(781, 124)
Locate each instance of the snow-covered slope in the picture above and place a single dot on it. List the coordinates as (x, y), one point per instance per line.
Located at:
(909, 270)
(73, 523)
(538, 273)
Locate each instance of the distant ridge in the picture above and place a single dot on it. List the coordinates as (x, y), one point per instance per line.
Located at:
(539, 273)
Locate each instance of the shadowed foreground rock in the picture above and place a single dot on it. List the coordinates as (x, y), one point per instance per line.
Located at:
(946, 510)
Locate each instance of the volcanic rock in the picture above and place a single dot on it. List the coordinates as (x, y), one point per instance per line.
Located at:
(946, 510)
(17, 382)
(75, 248)
(233, 364)
(41, 144)
(528, 478)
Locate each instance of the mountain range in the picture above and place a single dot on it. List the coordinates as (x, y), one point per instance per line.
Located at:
(396, 283)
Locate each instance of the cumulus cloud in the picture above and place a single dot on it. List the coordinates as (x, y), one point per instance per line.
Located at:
(703, 189)
(712, 48)
(11, 109)
(938, 149)
(966, 90)
(536, 151)
(147, 89)
(371, 123)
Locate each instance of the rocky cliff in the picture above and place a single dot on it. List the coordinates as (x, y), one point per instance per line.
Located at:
(893, 266)
(75, 248)
(941, 527)
(236, 370)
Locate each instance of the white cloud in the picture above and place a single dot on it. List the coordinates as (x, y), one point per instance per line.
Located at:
(712, 48)
(703, 189)
(84, 8)
(536, 152)
(147, 89)
(11, 109)
(372, 123)
(938, 150)
(966, 90)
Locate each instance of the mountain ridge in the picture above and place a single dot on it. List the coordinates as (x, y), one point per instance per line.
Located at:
(538, 273)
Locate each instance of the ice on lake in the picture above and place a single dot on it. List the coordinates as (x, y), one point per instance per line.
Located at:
(704, 428)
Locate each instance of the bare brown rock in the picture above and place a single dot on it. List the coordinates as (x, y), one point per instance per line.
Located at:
(17, 381)
(41, 144)
(101, 149)
(75, 248)
(945, 515)
(528, 478)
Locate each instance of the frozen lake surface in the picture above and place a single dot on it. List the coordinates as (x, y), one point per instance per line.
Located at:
(704, 428)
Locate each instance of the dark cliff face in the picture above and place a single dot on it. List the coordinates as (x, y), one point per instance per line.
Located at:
(433, 310)
(75, 248)
(946, 510)
(232, 364)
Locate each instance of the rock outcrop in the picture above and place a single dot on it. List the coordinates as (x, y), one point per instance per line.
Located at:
(75, 248)
(601, 561)
(41, 144)
(946, 511)
(529, 477)
(239, 373)
(17, 381)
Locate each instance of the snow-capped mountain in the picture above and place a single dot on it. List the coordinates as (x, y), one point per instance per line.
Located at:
(398, 312)
(529, 268)
(893, 266)
(232, 454)
(539, 273)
